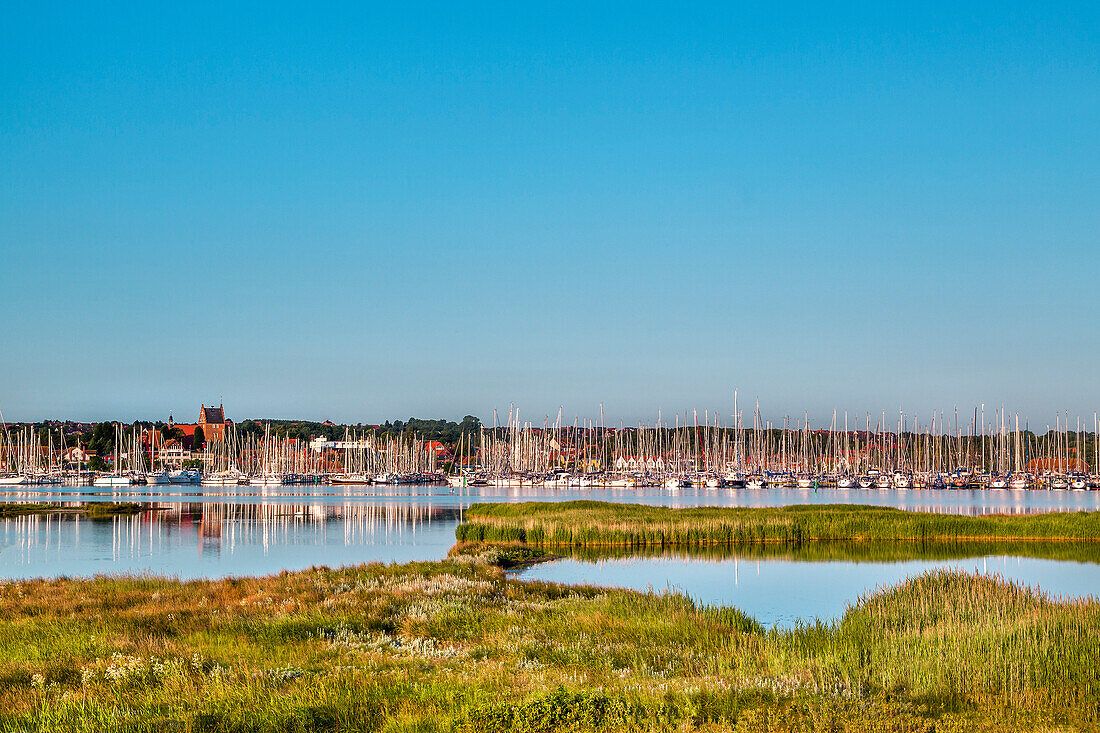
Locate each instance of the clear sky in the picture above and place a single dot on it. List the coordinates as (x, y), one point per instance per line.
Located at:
(358, 213)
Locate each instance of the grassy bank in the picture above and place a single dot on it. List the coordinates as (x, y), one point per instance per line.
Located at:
(91, 509)
(842, 551)
(593, 524)
(457, 645)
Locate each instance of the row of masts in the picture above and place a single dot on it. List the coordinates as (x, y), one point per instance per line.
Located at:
(699, 444)
(361, 457)
(691, 448)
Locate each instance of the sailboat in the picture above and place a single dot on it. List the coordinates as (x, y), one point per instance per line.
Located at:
(116, 477)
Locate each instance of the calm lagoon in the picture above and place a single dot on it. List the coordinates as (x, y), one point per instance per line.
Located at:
(191, 534)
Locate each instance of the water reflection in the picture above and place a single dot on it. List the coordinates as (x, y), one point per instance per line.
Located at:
(929, 500)
(207, 539)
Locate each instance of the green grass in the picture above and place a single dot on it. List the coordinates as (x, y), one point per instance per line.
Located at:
(594, 524)
(509, 556)
(840, 550)
(457, 645)
(91, 509)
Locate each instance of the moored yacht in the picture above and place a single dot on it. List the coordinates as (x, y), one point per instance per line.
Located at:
(224, 478)
(114, 479)
(351, 478)
(184, 476)
(733, 481)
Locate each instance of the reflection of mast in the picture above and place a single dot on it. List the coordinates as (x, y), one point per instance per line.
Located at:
(269, 523)
(211, 524)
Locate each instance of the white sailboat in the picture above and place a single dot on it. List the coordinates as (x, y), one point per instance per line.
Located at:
(116, 477)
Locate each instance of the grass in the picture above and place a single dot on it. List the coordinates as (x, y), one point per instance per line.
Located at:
(509, 556)
(91, 509)
(840, 551)
(457, 645)
(596, 524)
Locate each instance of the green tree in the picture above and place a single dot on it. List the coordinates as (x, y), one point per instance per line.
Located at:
(96, 463)
(103, 439)
(198, 440)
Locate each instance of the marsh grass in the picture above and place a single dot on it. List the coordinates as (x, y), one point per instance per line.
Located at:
(841, 551)
(510, 556)
(92, 509)
(457, 645)
(594, 524)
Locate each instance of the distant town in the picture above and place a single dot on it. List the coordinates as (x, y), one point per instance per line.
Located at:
(696, 450)
(94, 445)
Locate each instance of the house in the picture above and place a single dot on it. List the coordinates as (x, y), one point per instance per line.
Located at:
(76, 454)
(172, 453)
(1052, 465)
(434, 446)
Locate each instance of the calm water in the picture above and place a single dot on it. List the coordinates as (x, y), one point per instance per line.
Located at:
(191, 534)
(782, 592)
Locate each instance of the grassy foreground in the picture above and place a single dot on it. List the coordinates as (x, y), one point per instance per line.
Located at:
(457, 645)
(595, 523)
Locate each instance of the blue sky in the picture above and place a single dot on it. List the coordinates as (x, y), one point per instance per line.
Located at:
(364, 213)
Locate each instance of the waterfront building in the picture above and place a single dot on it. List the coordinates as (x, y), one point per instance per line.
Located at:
(212, 421)
(172, 453)
(78, 454)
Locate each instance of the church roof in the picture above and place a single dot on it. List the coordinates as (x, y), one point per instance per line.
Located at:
(211, 415)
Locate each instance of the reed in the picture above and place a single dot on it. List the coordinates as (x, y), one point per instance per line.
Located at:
(593, 524)
(839, 551)
(458, 645)
(91, 509)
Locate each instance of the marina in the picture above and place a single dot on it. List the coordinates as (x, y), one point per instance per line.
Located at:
(695, 451)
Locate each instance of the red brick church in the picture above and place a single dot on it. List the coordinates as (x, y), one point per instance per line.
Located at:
(211, 420)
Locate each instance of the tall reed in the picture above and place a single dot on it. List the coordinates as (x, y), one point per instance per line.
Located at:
(592, 523)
